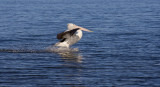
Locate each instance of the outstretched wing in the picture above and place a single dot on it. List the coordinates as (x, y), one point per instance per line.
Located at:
(65, 35)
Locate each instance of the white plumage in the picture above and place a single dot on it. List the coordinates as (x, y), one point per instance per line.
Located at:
(71, 36)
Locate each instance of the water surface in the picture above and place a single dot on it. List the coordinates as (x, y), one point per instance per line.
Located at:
(123, 50)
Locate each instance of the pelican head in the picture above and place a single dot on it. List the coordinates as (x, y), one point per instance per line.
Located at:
(72, 26)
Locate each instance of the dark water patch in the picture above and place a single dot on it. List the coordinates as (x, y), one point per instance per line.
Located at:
(22, 51)
(8, 40)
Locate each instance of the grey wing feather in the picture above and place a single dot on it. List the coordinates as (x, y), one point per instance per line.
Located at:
(66, 34)
(69, 36)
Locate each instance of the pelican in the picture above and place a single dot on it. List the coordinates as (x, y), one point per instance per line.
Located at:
(71, 36)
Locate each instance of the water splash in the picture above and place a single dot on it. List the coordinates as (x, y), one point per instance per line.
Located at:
(48, 49)
(61, 49)
(21, 51)
(67, 54)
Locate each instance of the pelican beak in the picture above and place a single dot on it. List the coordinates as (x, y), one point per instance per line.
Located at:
(81, 28)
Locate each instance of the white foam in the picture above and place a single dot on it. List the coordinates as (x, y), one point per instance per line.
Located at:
(61, 49)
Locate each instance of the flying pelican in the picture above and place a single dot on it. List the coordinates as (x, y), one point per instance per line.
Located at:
(71, 36)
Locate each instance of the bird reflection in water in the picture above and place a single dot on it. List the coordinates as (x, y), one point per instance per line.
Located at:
(71, 56)
(72, 64)
(68, 54)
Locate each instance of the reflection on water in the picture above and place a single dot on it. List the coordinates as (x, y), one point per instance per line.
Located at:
(72, 60)
(71, 56)
(68, 54)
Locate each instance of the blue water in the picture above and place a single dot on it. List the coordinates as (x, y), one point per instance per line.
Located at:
(123, 50)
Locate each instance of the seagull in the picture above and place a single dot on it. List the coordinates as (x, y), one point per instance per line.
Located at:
(71, 36)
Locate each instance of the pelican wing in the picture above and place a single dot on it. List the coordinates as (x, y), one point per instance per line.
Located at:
(67, 34)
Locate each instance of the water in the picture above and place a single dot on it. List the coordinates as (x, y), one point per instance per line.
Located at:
(123, 50)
